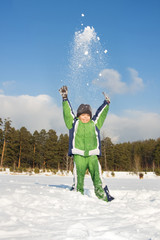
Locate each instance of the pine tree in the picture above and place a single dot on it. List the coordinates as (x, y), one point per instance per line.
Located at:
(36, 146)
(1, 137)
(25, 148)
(51, 150)
(7, 128)
(65, 161)
(107, 159)
(148, 147)
(12, 149)
(156, 154)
(41, 149)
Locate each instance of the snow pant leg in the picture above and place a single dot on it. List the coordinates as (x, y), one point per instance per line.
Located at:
(94, 169)
(81, 166)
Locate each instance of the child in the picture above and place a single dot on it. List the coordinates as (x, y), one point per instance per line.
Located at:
(84, 142)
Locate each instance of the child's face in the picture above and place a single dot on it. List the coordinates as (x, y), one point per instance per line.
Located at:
(85, 118)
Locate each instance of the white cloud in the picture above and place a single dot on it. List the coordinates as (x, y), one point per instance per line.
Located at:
(137, 82)
(132, 126)
(33, 112)
(112, 81)
(41, 112)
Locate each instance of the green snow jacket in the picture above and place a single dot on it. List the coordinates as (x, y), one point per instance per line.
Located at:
(84, 138)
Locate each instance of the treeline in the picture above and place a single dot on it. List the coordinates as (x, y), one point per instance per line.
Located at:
(46, 150)
(136, 156)
(43, 150)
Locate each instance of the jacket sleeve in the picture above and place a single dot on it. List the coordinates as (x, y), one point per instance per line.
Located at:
(68, 114)
(101, 114)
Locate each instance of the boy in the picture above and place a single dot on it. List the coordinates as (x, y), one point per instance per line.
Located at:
(84, 142)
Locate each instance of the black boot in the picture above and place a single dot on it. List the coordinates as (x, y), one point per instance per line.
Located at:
(110, 198)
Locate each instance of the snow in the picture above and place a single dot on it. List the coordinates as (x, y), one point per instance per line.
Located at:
(42, 207)
(86, 60)
(85, 36)
(86, 53)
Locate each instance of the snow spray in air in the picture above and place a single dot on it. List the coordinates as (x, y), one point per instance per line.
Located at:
(87, 60)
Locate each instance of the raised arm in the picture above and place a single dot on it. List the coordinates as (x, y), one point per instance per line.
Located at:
(101, 112)
(67, 109)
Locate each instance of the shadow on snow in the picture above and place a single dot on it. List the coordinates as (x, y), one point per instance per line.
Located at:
(63, 186)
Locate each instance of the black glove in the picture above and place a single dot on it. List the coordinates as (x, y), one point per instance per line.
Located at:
(106, 97)
(64, 92)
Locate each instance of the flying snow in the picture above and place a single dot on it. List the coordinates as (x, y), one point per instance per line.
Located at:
(86, 61)
(86, 53)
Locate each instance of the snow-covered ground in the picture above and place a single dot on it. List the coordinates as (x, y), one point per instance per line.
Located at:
(42, 207)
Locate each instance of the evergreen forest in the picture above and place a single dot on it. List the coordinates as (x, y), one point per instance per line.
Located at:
(20, 149)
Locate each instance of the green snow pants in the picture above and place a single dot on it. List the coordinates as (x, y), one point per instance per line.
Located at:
(91, 163)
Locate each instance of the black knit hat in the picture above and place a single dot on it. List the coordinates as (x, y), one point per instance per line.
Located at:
(84, 108)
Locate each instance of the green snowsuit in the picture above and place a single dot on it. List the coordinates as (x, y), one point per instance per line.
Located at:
(85, 145)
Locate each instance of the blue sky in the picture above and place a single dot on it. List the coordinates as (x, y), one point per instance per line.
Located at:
(36, 38)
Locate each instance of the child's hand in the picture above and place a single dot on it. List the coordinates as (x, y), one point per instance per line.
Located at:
(106, 97)
(64, 92)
